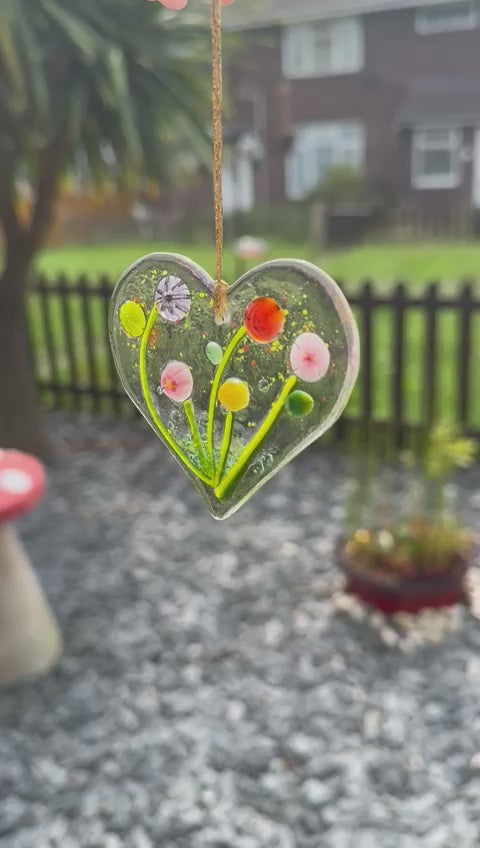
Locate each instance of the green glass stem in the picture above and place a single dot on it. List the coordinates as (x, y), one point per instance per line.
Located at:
(151, 408)
(197, 441)
(229, 481)
(229, 350)
(225, 447)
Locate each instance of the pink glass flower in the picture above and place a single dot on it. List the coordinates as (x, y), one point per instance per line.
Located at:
(176, 381)
(309, 357)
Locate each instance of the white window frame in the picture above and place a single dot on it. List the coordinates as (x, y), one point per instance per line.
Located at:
(421, 144)
(468, 19)
(296, 161)
(298, 56)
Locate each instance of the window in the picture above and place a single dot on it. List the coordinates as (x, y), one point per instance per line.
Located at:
(447, 17)
(436, 158)
(316, 149)
(323, 48)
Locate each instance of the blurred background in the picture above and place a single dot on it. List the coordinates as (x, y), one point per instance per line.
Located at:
(305, 675)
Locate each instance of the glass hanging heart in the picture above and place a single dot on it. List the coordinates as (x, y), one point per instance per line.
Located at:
(233, 402)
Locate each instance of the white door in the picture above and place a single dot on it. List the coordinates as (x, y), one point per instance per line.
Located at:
(476, 171)
(229, 183)
(238, 181)
(245, 182)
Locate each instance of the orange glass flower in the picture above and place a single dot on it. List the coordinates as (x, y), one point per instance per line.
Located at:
(264, 320)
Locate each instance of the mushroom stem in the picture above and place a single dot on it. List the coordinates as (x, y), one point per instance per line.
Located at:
(30, 641)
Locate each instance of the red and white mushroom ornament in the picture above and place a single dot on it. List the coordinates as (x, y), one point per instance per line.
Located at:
(22, 484)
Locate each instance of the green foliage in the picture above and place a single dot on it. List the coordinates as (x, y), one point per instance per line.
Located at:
(446, 451)
(288, 221)
(119, 86)
(343, 184)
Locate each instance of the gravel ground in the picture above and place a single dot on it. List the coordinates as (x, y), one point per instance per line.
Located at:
(210, 695)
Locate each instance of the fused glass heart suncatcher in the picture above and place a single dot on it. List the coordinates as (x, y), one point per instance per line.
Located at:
(233, 402)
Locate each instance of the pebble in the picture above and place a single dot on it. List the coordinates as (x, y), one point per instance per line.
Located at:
(14, 814)
(302, 746)
(317, 793)
(274, 630)
(371, 724)
(389, 637)
(140, 838)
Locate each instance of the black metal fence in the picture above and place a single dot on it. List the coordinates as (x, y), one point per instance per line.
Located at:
(420, 355)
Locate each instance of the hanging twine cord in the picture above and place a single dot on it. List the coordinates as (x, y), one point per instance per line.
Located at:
(220, 288)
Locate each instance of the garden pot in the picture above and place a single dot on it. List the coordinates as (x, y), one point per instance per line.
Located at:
(390, 593)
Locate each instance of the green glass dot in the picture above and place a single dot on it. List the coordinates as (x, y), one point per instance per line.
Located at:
(132, 318)
(299, 404)
(214, 353)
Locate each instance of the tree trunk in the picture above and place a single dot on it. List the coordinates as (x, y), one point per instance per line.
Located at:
(20, 417)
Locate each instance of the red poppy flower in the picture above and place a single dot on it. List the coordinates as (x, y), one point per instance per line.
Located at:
(264, 320)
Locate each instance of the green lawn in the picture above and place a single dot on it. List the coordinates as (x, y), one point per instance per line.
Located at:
(112, 259)
(416, 263)
(385, 264)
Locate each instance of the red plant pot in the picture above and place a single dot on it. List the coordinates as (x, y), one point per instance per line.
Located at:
(390, 593)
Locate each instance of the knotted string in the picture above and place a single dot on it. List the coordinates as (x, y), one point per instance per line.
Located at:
(220, 287)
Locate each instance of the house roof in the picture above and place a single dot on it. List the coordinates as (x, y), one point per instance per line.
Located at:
(250, 14)
(444, 99)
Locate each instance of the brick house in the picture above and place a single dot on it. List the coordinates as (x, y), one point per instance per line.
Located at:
(391, 87)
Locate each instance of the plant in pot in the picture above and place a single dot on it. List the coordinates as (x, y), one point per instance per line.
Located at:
(351, 205)
(406, 549)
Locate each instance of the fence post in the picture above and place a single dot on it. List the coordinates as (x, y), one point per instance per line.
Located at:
(62, 288)
(430, 352)
(45, 294)
(340, 428)
(464, 352)
(366, 302)
(105, 291)
(398, 303)
(84, 291)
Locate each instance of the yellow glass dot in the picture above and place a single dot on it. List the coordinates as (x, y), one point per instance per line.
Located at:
(234, 395)
(132, 318)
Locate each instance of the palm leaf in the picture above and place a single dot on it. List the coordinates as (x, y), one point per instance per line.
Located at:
(120, 73)
(12, 65)
(83, 36)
